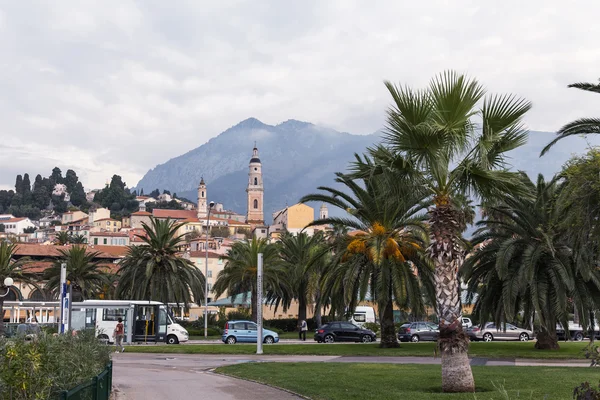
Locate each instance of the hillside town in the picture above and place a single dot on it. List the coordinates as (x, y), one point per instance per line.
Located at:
(40, 240)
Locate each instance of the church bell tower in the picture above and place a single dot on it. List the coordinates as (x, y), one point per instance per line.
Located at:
(202, 208)
(255, 190)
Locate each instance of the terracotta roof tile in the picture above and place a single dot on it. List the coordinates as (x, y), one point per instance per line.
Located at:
(106, 219)
(202, 254)
(174, 214)
(51, 251)
(142, 213)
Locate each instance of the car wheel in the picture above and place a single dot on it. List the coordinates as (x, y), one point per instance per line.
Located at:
(523, 337)
(367, 339)
(329, 339)
(487, 337)
(172, 339)
(414, 338)
(578, 337)
(269, 340)
(231, 340)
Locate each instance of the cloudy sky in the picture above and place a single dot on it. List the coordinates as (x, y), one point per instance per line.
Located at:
(107, 87)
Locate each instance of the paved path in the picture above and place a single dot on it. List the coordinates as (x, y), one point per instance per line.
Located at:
(142, 376)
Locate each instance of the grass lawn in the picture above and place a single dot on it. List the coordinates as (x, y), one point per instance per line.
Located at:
(333, 381)
(510, 350)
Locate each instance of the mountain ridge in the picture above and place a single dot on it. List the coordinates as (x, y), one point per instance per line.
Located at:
(299, 156)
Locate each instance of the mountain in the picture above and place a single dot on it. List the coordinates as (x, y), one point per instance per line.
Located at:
(296, 158)
(299, 156)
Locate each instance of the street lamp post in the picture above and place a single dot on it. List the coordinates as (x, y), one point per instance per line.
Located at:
(210, 206)
(8, 282)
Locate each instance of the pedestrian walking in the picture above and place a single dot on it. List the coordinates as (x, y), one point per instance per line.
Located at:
(118, 335)
(303, 329)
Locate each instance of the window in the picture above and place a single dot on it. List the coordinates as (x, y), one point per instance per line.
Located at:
(113, 314)
(209, 273)
(105, 240)
(255, 204)
(95, 240)
(360, 317)
(256, 181)
(256, 169)
(107, 223)
(347, 326)
(202, 194)
(238, 326)
(220, 262)
(250, 327)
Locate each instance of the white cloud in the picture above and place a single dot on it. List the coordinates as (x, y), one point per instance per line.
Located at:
(119, 86)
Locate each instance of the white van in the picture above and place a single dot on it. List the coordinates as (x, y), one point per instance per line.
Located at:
(362, 315)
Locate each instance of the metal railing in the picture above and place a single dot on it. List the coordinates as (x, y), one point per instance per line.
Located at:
(98, 388)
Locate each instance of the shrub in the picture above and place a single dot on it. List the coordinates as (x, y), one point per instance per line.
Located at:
(585, 391)
(211, 331)
(42, 368)
(372, 326)
(239, 314)
(278, 331)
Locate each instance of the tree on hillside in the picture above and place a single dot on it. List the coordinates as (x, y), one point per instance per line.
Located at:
(19, 185)
(155, 193)
(219, 231)
(155, 270)
(87, 276)
(56, 177)
(580, 126)
(385, 258)
(239, 274)
(433, 139)
(523, 264)
(117, 198)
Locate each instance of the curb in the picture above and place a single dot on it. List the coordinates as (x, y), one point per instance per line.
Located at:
(213, 371)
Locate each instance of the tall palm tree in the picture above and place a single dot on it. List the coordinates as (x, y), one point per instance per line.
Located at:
(300, 255)
(432, 139)
(156, 271)
(62, 238)
(78, 239)
(87, 276)
(384, 258)
(240, 273)
(579, 126)
(523, 264)
(11, 268)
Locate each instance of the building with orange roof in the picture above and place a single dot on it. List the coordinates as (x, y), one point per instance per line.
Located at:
(106, 225)
(16, 226)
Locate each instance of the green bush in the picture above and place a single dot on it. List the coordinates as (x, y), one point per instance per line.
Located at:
(372, 326)
(241, 314)
(276, 330)
(44, 367)
(211, 331)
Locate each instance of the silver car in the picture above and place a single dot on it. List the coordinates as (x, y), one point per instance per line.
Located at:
(491, 332)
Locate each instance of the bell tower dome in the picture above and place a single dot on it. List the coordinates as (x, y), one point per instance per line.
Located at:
(255, 190)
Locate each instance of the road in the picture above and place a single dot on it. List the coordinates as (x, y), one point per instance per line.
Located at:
(138, 376)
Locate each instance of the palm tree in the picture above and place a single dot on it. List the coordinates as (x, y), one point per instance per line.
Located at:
(240, 273)
(579, 126)
(523, 264)
(300, 255)
(383, 259)
(432, 140)
(78, 239)
(62, 238)
(10, 268)
(87, 276)
(155, 270)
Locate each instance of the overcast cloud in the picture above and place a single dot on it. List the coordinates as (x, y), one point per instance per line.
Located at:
(107, 87)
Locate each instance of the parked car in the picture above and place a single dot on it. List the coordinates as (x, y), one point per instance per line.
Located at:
(466, 323)
(576, 332)
(246, 332)
(418, 331)
(342, 331)
(491, 332)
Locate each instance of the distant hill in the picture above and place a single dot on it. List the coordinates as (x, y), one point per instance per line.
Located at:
(296, 158)
(299, 156)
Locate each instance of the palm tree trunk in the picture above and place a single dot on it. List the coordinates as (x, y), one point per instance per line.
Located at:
(388, 330)
(318, 310)
(547, 340)
(453, 343)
